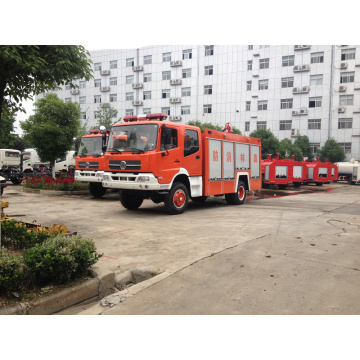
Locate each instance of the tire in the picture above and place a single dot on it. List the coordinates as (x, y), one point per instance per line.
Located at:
(282, 187)
(15, 181)
(297, 184)
(176, 201)
(199, 199)
(96, 189)
(2, 190)
(319, 184)
(129, 200)
(239, 197)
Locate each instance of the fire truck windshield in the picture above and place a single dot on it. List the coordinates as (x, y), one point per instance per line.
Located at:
(90, 146)
(134, 137)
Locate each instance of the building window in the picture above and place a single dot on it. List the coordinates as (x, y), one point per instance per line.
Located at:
(207, 89)
(287, 82)
(247, 126)
(113, 81)
(261, 125)
(67, 87)
(165, 110)
(262, 105)
(347, 54)
(147, 77)
(285, 124)
(166, 75)
(129, 96)
(346, 100)
(186, 91)
(264, 46)
(82, 100)
(249, 65)
(315, 102)
(345, 123)
(346, 146)
(186, 73)
(113, 97)
(185, 110)
(264, 63)
(97, 82)
(130, 79)
(82, 84)
(209, 50)
(83, 116)
(248, 105)
(207, 109)
(314, 147)
(97, 66)
(165, 93)
(316, 79)
(314, 124)
(147, 59)
(317, 57)
(147, 111)
(263, 84)
(97, 99)
(129, 62)
(250, 47)
(248, 85)
(286, 103)
(209, 70)
(96, 114)
(67, 99)
(347, 77)
(129, 112)
(113, 64)
(147, 95)
(166, 57)
(187, 54)
(288, 60)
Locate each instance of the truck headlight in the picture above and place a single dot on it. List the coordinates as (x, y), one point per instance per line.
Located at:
(77, 173)
(143, 179)
(106, 177)
(99, 174)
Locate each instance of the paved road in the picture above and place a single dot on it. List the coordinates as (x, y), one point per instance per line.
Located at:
(289, 255)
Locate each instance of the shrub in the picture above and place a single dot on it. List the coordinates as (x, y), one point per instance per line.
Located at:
(10, 273)
(60, 259)
(49, 183)
(18, 235)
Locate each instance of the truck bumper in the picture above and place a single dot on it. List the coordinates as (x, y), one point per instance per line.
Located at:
(133, 181)
(88, 175)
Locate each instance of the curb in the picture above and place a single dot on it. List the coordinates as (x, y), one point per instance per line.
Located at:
(55, 192)
(102, 285)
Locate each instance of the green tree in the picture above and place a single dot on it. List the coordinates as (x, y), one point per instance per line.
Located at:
(27, 70)
(210, 126)
(269, 143)
(105, 115)
(52, 128)
(287, 147)
(331, 151)
(303, 143)
(7, 139)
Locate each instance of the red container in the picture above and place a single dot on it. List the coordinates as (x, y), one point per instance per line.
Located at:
(320, 172)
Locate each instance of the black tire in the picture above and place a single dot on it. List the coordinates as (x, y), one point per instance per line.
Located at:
(2, 190)
(319, 184)
(176, 201)
(96, 189)
(239, 197)
(129, 200)
(282, 187)
(15, 181)
(199, 199)
(297, 184)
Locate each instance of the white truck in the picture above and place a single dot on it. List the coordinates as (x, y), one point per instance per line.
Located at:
(10, 160)
(66, 164)
(31, 162)
(349, 171)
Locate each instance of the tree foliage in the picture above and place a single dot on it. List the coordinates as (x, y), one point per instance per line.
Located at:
(106, 115)
(7, 139)
(210, 126)
(269, 143)
(303, 143)
(53, 126)
(27, 70)
(288, 148)
(331, 151)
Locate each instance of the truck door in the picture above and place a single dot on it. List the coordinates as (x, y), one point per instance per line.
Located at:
(192, 155)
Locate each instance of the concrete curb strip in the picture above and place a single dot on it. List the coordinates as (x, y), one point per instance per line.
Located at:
(55, 192)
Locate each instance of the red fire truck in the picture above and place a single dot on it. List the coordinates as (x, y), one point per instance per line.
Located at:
(89, 162)
(147, 157)
(320, 172)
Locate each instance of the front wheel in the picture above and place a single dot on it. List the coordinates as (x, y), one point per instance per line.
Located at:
(96, 189)
(177, 199)
(130, 200)
(15, 181)
(239, 197)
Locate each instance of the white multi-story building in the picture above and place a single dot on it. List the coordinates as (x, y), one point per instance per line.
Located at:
(311, 90)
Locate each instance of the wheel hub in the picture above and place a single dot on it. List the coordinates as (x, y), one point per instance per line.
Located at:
(179, 198)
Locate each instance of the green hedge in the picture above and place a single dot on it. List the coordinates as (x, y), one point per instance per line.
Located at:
(10, 272)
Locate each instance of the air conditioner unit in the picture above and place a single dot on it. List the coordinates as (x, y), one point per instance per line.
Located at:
(174, 118)
(136, 103)
(175, 100)
(294, 132)
(175, 82)
(303, 111)
(296, 90)
(294, 112)
(137, 85)
(104, 88)
(138, 68)
(297, 47)
(297, 68)
(305, 67)
(343, 65)
(74, 91)
(105, 72)
(342, 88)
(176, 63)
(305, 89)
(341, 109)
(305, 46)
(105, 105)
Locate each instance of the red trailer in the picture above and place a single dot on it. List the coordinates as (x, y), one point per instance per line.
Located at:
(320, 172)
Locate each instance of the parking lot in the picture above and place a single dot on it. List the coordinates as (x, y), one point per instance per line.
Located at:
(312, 239)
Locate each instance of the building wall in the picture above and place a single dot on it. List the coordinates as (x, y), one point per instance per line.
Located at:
(229, 88)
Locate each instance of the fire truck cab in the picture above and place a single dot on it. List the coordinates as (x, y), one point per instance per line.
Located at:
(147, 157)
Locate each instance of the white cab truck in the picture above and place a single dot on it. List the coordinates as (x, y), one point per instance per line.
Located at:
(31, 162)
(349, 171)
(66, 164)
(10, 160)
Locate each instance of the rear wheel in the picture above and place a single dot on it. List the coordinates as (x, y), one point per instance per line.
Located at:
(177, 199)
(130, 200)
(239, 197)
(15, 181)
(96, 189)
(319, 184)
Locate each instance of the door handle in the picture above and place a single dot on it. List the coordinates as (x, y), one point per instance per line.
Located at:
(177, 161)
(198, 156)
